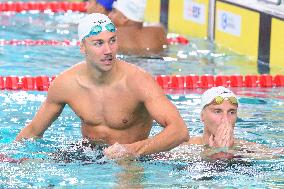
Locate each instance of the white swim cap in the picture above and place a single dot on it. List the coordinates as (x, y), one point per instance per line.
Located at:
(132, 9)
(93, 24)
(209, 95)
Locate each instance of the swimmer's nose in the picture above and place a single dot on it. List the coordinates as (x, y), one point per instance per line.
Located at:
(107, 48)
(225, 118)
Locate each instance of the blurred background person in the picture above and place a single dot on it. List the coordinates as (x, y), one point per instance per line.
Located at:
(134, 37)
(99, 6)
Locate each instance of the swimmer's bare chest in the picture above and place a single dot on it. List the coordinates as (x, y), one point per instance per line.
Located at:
(109, 115)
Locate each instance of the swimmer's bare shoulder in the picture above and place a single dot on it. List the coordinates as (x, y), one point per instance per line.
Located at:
(64, 85)
(142, 83)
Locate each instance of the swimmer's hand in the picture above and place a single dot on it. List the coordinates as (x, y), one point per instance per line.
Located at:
(224, 136)
(119, 151)
(221, 156)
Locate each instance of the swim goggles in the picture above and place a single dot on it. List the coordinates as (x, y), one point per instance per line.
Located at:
(219, 100)
(99, 28)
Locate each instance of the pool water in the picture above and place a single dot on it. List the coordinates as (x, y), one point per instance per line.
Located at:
(198, 57)
(260, 118)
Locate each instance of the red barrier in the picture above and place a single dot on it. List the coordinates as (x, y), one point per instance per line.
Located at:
(4, 6)
(30, 42)
(53, 6)
(191, 81)
(206, 81)
(279, 80)
(178, 40)
(177, 82)
(163, 81)
(222, 80)
(172, 40)
(42, 83)
(64, 6)
(12, 83)
(15, 7)
(251, 81)
(32, 6)
(28, 83)
(236, 81)
(265, 80)
(2, 83)
(182, 40)
(42, 6)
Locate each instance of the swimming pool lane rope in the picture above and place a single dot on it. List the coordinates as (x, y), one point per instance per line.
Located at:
(178, 39)
(54, 6)
(42, 6)
(42, 83)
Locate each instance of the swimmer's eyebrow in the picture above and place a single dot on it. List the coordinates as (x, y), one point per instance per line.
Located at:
(214, 109)
(92, 40)
(217, 108)
(103, 39)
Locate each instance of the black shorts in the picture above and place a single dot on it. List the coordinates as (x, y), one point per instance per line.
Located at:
(83, 152)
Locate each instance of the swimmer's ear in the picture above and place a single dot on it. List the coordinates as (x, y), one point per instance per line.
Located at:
(82, 48)
(202, 116)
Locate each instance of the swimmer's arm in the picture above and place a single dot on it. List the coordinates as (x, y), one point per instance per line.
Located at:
(174, 133)
(48, 112)
(43, 119)
(166, 114)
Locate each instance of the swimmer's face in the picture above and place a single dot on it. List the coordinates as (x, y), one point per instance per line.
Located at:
(100, 50)
(213, 115)
(117, 17)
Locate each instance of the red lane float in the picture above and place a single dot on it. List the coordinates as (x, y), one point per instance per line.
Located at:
(208, 81)
(29, 42)
(27, 83)
(42, 6)
(42, 83)
(178, 40)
